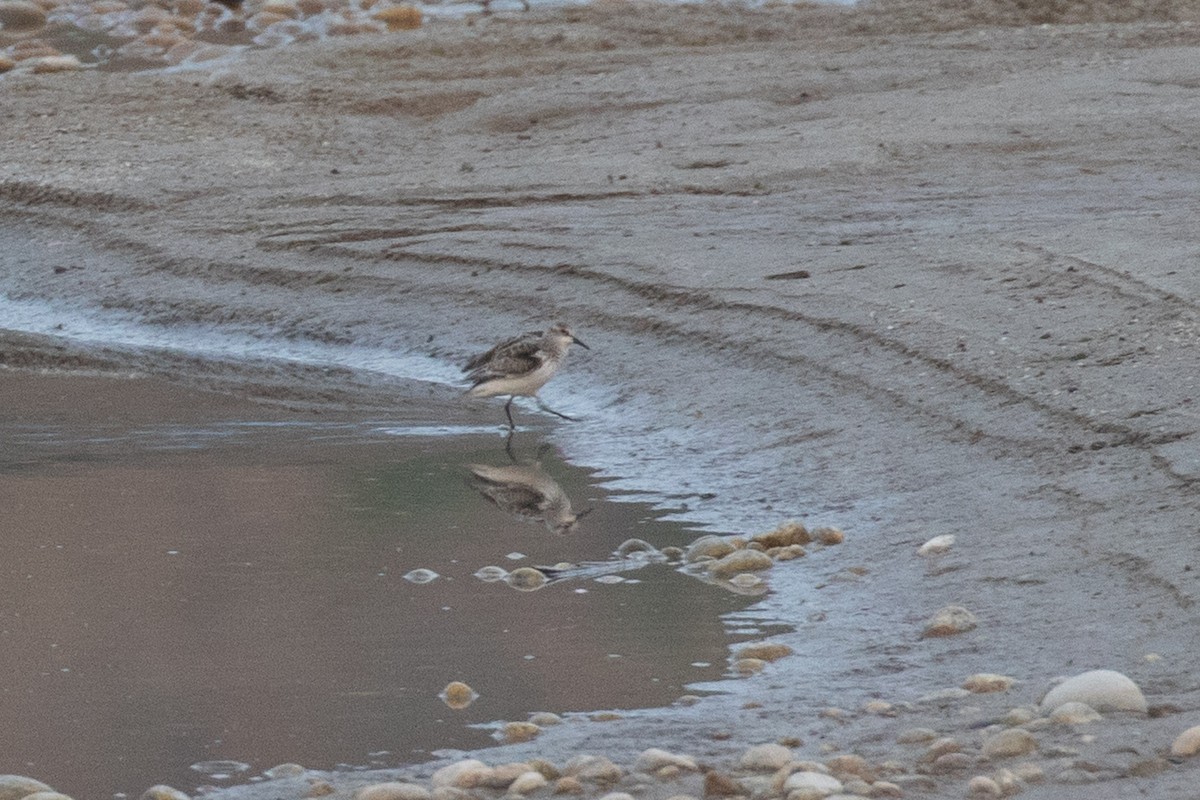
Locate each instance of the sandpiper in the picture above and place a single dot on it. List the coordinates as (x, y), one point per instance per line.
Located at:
(521, 366)
(527, 492)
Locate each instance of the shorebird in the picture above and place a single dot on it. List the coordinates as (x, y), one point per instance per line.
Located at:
(521, 366)
(526, 491)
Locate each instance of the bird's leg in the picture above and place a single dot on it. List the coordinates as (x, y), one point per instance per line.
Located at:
(508, 447)
(512, 426)
(545, 407)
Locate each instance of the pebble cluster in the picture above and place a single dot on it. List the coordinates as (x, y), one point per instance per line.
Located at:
(1020, 746)
(149, 33)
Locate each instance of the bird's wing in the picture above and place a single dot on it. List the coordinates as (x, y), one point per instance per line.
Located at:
(515, 499)
(518, 356)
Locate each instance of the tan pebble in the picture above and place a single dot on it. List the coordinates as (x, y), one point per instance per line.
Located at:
(850, 764)
(985, 682)
(403, 17)
(983, 786)
(606, 716)
(950, 762)
(789, 533)
(164, 792)
(718, 785)
(936, 546)
(596, 769)
(880, 707)
(320, 788)
(527, 782)
(504, 774)
(790, 552)
(1074, 713)
(545, 719)
(746, 580)
(950, 621)
(526, 579)
(939, 748)
(672, 553)
(283, 8)
(6, 63)
(287, 770)
(1010, 742)
(1147, 767)
(759, 546)
(1102, 689)
(748, 666)
(765, 651)
(263, 20)
(31, 49)
(51, 64)
(687, 700)
(516, 732)
(1018, 716)
(18, 16)
(46, 796)
(545, 768)
(465, 774)
(856, 787)
(916, 736)
(1029, 773)
(765, 757)
(706, 547)
(568, 785)
(885, 789)
(458, 695)
(1008, 782)
(1187, 744)
(393, 790)
(829, 535)
(790, 741)
(668, 773)
(892, 767)
(656, 758)
(738, 542)
(833, 713)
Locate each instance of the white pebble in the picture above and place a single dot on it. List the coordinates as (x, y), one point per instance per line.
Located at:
(937, 545)
(1074, 713)
(527, 782)
(765, 757)
(807, 781)
(983, 786)
(655, 759)
(1101, 689)
(1009, 743)
(1187, 743)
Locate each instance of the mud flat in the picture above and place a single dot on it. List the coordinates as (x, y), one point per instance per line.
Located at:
(912, 276)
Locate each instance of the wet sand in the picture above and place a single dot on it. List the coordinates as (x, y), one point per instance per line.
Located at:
(905, 282)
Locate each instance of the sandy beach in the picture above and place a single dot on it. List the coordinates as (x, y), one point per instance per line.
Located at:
(905, 274)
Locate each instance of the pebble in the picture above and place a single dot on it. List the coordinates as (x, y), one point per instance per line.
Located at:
(950, 762)
(983, 786)
(596, 769)
(458, 695)
(916, 736)
(637, 549)
(936, 546)
(526, 579)
(1187, 743)
(764, 651)
(465, 774)
(288, 770)
(1009, 743)
(421, 576)
(490, 574)
(829, 535)
(765, 757)
(879, 707)
(789, 533)
(51, 64)
(15, 787)
(850, 764)
(745, 580)
(320, 788)
(812, 784)
(986, 682)
(20, 16)
(939, 748)
(545, 719)
(164, 792)
(718, 785)
(748, 666)
(707, 547)
(1102, 689)
(399, 18)
(1018, 716)
(788, 553)
(885, 789)
(739, 561)
(1075, 713)
(527, 782)
(1029, 773)
(654, 759)
(6, 63)
(568, 785)
(46, 796)
(950, 621)
(393, 790)
(517, 732)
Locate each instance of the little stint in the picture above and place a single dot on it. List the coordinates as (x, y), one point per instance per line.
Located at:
(521, 366)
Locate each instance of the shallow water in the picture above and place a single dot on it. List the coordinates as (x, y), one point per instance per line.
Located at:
(175, 592)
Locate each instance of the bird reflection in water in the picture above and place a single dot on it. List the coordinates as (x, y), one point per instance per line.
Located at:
(526, 491)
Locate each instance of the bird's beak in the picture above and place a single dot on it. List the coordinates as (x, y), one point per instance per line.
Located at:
(581, 344)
